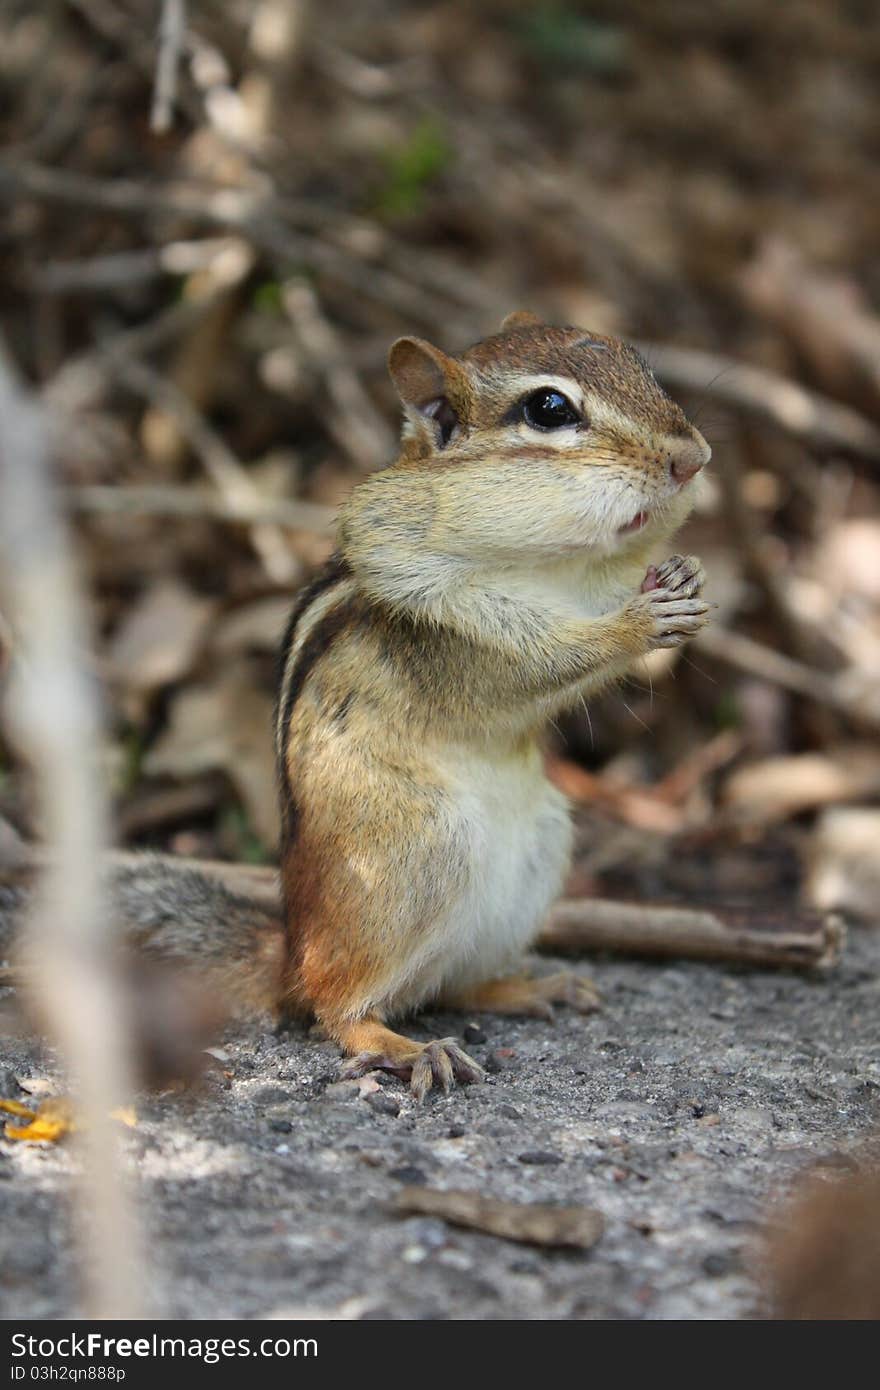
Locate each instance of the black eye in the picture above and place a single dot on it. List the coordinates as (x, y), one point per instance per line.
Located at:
(548, 409)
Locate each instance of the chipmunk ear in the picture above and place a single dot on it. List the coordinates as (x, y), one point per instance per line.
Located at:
(520, 318)
(431, 385)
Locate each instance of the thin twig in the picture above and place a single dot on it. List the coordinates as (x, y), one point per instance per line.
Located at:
(68, 960)
(218, 460)
(264, 221)
(172, 33)
(820, 422)
(83, 378)
(354, 421)
(195, 503)
(122, 269)
(840, 693)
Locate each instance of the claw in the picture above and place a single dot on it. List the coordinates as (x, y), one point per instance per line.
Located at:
(441, 1066)
(422, 1077)
(441, 1063)
(364, 1062)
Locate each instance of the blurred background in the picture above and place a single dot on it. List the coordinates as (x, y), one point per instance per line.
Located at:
(208, 243)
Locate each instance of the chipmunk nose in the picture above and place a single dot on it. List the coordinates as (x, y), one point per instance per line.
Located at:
(689, 457)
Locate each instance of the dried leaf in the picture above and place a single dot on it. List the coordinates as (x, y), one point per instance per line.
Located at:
(780, 787)
(224, 726)
(157, 642)
(844, 857)
(51, 1121)
(15, 1107)
(528, 1222)
(255, 626)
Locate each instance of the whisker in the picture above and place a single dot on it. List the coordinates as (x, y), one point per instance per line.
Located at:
(583, 704)
(645, 726)
(699, 670)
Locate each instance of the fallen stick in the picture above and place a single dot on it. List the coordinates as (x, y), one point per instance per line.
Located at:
(799, 941)
(531, 1223)
(856, 701)
(190, 502)
(794, 941)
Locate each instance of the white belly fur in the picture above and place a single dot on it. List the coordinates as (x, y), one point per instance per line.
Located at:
(517, 830)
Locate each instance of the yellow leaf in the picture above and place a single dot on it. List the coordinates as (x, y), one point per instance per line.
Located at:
(54, 1119)
(51, 1122)
(14, 1107)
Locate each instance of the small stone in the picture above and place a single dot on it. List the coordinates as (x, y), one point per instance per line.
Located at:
(473, 1034)
(385, 1078)
(456, 1132)
(343, 1090)
(721, 1262)
(408, 1174)
(509, 1112)
(271, 1095)
(540, 1157)
(281, 1126)
(9, 1087)
(383, 1104)
(499, 1059)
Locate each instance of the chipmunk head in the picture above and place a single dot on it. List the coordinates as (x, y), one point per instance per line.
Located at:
(546, 438)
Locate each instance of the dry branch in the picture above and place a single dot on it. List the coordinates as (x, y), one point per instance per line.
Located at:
(796, 941)
(194, 503)
(221, 465)
(352, 419)
(820, 422)
(65, 952)
(532, 1223)
(844, 693)
(269, 224)
(172, 33)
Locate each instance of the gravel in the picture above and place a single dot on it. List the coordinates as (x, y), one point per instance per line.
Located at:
(682, 1112)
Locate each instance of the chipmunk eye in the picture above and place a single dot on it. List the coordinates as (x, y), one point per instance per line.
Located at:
(548, 409)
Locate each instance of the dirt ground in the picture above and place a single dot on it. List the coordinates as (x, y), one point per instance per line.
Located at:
(682, 1112)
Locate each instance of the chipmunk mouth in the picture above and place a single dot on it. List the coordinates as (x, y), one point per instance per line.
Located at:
(640, 520)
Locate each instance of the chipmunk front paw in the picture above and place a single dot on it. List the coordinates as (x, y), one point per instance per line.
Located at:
(682, 575)
(669, 600)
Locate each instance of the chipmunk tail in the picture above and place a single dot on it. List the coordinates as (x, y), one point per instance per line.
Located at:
(197, 949)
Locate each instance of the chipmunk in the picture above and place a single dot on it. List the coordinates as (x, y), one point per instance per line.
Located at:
(492, 576)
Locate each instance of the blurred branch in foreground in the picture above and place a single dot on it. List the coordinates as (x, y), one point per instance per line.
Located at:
(69, 965)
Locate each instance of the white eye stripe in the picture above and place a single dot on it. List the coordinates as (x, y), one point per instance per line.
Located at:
(523, 384)
(593, 408)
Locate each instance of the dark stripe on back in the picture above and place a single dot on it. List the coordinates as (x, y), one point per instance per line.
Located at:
(312, 649)
(335, 570)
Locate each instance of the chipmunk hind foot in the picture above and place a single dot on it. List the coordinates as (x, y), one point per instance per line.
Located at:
(425, 1065)
(529, 997)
